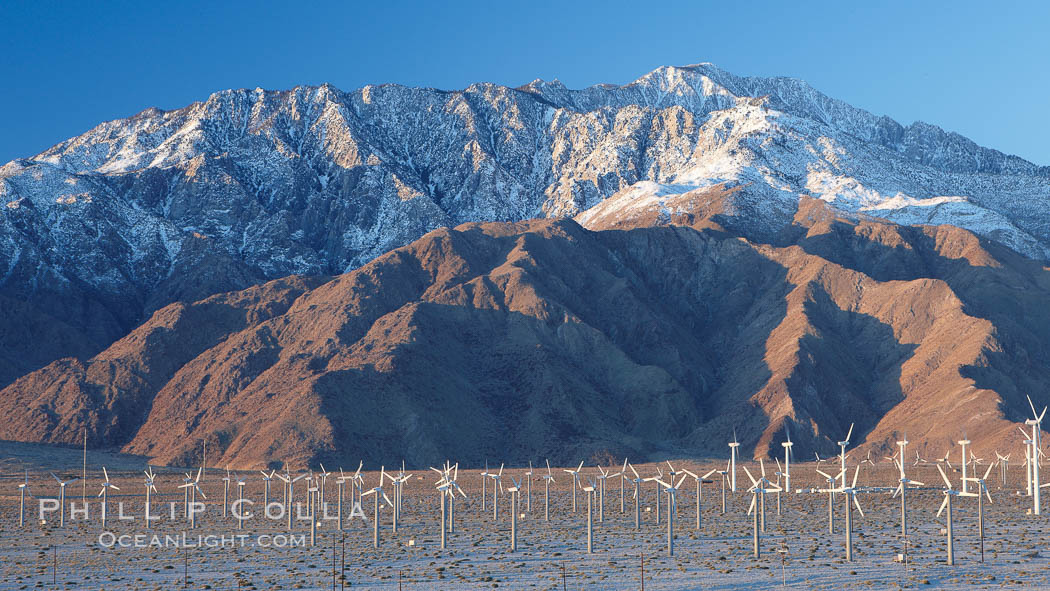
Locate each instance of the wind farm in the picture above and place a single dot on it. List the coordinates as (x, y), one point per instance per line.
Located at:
(889, 529)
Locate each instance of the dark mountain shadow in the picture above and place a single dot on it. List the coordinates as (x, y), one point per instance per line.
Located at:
(849, 370)
(641, 347)
(992, 282)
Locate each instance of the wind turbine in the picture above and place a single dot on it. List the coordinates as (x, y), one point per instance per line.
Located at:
(104, 493)
(763, 486)
(528, 487)
(779, 474)
(399, 483)
(831, 499)
(733, 445)
(757, 489)
(964, 442)
(725, 476)
(496, 481)
(340, 485)
(22, 490)
(240, 503)
(267, 479)
(982, 491)
(484, 480)
(62, 498)
(575, 482)
(312, 491)
(547, 480)
(194, 488)
(902, 490)
(377, 492)
(700, 481)
(150, 477)
(949, 492)
(655, 479)
(289, 483)
(590, 516)
(358, 482)
(602, 477)
(1004, 464)
(226, 491)
(842, 454)
(1036, 424)
(850, 493)
(637, 480)
(623, 476)
(324, 479)
(787, 461)
(671, 489)
(514, 491)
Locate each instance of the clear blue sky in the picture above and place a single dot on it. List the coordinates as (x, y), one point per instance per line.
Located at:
(979, 68)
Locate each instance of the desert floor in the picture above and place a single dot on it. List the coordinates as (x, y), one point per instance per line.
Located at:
(797, 550)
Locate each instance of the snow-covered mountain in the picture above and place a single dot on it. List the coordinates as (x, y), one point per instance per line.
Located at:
(254, 184)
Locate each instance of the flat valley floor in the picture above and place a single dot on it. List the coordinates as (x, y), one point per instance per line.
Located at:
(797, 550)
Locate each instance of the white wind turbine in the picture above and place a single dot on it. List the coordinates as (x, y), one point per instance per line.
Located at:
(902, 490)
(62, 498)
(193, 488)
(528, 487)
(1036, 423)
(842, 454)
(964, 442)
(850, 494)
(623, 477)
(104, 493)
(780, 474)
(763, 486)
(496, 481)
(267, 479)
(547, 480)
(340, 485)
(289, 484)
(484, 482)
(590, 516)
(601, 478)
(656, 479)
(671, 489)
(22, 490)
(1004, 464)
(226, 491)
(399, 483)
(787, 460)
(831, 499)
(377, 492)
(637, 480)
(725, 476)
(358, 483)
(733, 445)
(150, 477)
(324, 480)
(757, 488)
(575, 483)
(312, 492)
(700, 481)
(982, 491)
(240, 503)
(514, 490)
(949, 492)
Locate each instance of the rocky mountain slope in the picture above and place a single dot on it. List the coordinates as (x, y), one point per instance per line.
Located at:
(250, 185)
(653, 333)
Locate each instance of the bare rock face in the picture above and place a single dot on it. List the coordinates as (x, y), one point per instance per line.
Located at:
(103, 229)
(636, 335)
